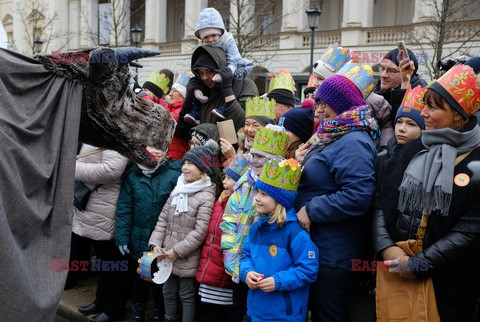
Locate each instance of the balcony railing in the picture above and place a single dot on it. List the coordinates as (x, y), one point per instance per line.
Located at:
(170, 48)
(265, 42)
(322, 38)
(388, 35)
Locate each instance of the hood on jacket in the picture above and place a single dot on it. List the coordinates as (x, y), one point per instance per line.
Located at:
(216, 54)
(209, 18)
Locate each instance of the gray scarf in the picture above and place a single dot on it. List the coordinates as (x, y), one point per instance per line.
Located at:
(428, 181)
(148, 171)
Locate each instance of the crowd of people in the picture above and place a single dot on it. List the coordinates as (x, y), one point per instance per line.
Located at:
(267, 229)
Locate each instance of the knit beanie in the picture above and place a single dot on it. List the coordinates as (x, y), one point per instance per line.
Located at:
(308, 103)
(238, 167)
(340, 93)
(283, 96)
(393, 56)
(405, 111)
(209, 31)
(154, 89)
(309, 90)
(205, 131)
(180, 88)
(474, 62)
(299, 121)
(202, 156)
(209, 18)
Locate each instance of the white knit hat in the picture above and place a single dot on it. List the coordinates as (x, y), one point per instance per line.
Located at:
(180, 88)
(209, 31)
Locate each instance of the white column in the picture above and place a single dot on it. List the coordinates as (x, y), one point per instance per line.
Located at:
(357, 14)
(74, 15)
(424, 10)
(88, 23)
(155, 21)
(293, 13)
(192, 10)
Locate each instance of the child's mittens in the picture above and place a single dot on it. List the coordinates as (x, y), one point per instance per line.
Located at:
(199, 96)
(217, 78)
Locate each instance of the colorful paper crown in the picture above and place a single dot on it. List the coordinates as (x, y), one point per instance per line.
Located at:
(160, 80)
(280, 179)
(270, 141)
(336, 56)
(361, 76)
(282, 80)
(238, 167)
(461, 88)
(145, 268)
(311, 81)
(182, 78)
(281, 174)
(257, 106)
(414, 97)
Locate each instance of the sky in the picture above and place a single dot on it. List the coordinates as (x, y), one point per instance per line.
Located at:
(3, 37)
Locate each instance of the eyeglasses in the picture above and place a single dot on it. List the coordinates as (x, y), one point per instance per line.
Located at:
(389, 71)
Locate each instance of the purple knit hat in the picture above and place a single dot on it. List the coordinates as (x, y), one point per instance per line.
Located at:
(340, 93)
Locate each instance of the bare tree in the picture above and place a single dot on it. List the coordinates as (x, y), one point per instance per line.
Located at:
(38, 23)
(444, 27)
(116, 23)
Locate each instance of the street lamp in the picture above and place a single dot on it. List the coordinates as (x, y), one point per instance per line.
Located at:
(313, 15)
(37, 45)
(136, 38)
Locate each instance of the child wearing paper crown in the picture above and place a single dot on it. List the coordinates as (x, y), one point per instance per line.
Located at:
(157, 86)
(179, 145)
(279, 260)
(182, 227)
(270, 141)
(210, 29)
(215, 284)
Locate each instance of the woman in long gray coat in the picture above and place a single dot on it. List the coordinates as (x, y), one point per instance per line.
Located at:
(95, 226)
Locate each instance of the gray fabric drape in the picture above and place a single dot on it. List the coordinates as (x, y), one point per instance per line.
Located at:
(39, 122)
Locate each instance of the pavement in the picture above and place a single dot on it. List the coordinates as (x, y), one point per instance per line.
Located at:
(362, 306)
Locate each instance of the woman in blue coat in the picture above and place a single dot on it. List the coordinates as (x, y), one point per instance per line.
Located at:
(336, 190)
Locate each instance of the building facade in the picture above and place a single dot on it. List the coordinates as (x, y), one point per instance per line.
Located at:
(273, 34)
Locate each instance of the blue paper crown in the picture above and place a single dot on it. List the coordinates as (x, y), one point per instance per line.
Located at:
(238, 167)
(360, 75)
(182, 78)
(145, 267)
(335, 56)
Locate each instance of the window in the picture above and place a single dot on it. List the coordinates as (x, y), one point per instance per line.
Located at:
(265, 24)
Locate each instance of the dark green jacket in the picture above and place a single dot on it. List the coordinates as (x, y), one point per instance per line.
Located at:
(140, 202)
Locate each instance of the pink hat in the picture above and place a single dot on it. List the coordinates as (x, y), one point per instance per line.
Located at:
(209, 31)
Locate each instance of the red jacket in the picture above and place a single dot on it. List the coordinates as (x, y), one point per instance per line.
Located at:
(179, 145)
(156, 100)
(210, 269)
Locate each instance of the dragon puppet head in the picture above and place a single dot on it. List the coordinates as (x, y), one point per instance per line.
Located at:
(112, 115)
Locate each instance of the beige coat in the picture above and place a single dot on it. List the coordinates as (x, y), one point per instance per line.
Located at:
(186, 231)
(97, 221)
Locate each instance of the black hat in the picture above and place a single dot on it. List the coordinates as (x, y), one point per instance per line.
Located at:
(393, 56)
(283, 96)
(299, 121)
(202, 156)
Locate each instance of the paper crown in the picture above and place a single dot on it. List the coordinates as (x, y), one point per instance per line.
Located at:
(282, 80)
(311, 81)
(160, 80)
(414, 98)
(145, 268)
(281, 174)
(361, 76)
(461, 88)
(182, 78)
(237, 167)
(256, 106)
(270, 141)
(336, 56)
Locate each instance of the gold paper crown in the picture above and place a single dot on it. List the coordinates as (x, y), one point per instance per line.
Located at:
(311, 81)
(361, 76)
(270, 141)
(282, 80)
(284, 175)
(160, 80)
(414, 97)
(461, 84)
(257, 106)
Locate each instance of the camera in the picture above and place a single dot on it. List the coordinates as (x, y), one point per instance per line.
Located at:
(445, 65)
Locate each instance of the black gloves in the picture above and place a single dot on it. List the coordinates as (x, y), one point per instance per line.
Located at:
(227, 78)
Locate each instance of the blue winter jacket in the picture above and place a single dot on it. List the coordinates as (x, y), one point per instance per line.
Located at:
(337, 188)
(289, 256)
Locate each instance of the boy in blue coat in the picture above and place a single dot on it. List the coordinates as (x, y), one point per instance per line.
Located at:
(279, 260)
